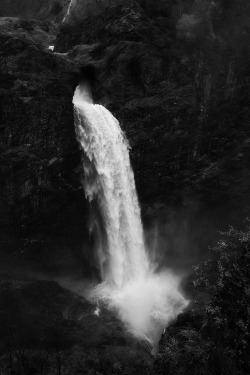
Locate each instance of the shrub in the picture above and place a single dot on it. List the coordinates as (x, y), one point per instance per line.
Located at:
(225, 275)
(214, 337)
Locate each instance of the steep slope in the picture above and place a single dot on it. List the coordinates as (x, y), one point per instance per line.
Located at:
(177, 78)
(45, 326)
(176, 75)
(38, 151)
(46, 10)
(33, 31)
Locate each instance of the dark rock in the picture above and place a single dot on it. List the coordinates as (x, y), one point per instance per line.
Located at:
(180, 98)
(177, 79)
(40, 178)
(32, 32)
(41, 319)
(44, 10)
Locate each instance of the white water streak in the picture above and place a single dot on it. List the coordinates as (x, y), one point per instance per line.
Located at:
(72, 2)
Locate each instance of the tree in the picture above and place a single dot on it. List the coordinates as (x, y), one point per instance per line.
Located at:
(225, 275)
(213, 337)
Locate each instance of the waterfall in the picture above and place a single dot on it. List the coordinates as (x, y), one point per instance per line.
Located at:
(72, 2)
(145, 300)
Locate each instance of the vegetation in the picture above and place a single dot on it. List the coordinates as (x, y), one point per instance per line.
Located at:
(213, 338)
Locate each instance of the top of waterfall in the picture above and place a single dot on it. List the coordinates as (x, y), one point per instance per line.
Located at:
(83, 94)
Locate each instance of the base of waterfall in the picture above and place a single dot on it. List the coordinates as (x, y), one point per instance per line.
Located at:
(146, 305)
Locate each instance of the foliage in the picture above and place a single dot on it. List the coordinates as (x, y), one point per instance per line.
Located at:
(186, 353)
(226, 276)
(219, 343)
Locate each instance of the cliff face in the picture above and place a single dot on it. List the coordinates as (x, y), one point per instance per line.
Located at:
(176, 75)
(45, 10)
(79, 10)
(40, 198)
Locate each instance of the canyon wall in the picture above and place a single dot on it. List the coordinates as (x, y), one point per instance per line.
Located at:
(45, 10)
(177, 77)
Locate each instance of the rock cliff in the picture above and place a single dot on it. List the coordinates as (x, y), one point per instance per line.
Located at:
(175, 74)
(44, 10)
(39, 174)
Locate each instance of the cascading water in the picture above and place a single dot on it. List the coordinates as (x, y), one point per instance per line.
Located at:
(69, 9)
(145, 300)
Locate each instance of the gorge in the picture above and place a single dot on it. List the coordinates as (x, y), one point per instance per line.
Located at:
(175, 75)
